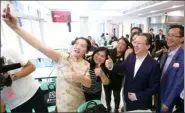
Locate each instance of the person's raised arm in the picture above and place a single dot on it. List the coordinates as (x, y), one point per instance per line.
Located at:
(11, 21)
(119, 68)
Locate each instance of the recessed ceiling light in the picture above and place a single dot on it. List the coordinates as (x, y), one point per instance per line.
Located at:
(175, 6)
(140, 14)
(153, 11)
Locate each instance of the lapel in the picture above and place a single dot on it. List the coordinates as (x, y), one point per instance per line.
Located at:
(132, 66)
(173, 60)
(141, 68)
(162, 61)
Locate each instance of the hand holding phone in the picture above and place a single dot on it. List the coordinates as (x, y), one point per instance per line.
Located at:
(8, 18)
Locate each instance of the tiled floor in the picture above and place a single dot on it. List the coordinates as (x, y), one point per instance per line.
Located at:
(112, 101)
(121, 103)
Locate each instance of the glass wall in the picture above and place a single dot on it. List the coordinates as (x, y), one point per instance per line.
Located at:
(158, 26)
(9, 38)
(162, 26)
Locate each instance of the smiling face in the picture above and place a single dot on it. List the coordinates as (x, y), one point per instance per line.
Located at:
(79, 48)
(174, 39)
(140, 45)
(99, 57)
(122, 46)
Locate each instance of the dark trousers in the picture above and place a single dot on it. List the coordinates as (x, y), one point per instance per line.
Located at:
(155, 100)
(36, 102)
(116, 94)
(95, 96)
(179, 106)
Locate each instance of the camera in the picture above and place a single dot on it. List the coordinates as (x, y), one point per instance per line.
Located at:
(163, 43)
(5, 79)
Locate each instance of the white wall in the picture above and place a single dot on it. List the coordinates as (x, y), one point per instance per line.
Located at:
(176, 13)
(8, 37)
(95, 29)
(84, 26)
(120, 33)
(30, 22)
(128, 21)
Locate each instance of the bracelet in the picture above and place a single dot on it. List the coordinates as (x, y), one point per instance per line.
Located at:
(14, 77)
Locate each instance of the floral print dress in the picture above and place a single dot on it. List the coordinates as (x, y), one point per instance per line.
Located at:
(69, 93)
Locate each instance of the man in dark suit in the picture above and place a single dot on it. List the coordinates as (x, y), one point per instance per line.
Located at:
(142, 75)
(160, 36)
(153, 35)
(172, 79)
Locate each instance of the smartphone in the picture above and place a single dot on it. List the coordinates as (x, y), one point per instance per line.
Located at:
(7, 11)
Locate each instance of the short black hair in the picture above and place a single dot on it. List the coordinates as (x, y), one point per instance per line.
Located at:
(138, 28)
(88, 42)
(148, 38)
(161, 30)
(132, 35)
(180, 27)
(151, 29)
(102, 35)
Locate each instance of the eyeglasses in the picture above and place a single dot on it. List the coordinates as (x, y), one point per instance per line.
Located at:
(137, 43)
(172, 36)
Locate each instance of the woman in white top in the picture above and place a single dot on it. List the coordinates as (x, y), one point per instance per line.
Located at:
(72, 69)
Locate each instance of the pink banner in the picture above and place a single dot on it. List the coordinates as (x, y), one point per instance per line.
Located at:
(61, 16)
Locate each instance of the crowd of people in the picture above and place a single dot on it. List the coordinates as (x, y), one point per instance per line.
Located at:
(144, 67)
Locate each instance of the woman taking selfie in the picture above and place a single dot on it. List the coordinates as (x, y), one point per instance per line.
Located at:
(72, 69)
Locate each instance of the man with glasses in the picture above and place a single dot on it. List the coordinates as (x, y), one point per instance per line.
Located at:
(172, 79)
(142, 75)
(132, 32)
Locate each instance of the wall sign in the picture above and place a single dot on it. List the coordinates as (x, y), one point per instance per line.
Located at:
(61, 16)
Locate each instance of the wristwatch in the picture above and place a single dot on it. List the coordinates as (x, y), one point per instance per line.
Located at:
(14, 76)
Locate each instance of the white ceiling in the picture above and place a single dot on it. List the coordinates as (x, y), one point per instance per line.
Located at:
(88, 8)
(104, 9)
(162, 7)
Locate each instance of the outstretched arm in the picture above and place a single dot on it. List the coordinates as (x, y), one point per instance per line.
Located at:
(11, 21)
(33, 41)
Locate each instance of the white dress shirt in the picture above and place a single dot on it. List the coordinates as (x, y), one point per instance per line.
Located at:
(160, 37)
(169, 59)
(138, 63)
(182, 94)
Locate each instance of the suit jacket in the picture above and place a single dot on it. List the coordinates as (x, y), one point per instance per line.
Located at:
(153, 37)
(157, 37)
(144, 84)
(172, 82)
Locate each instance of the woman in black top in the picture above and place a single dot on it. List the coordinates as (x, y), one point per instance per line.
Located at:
(116, 79)
(98, 73)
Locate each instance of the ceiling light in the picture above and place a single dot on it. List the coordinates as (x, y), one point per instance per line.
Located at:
(140, 14)
(153, 11)
(117, 5)
(175, 6)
